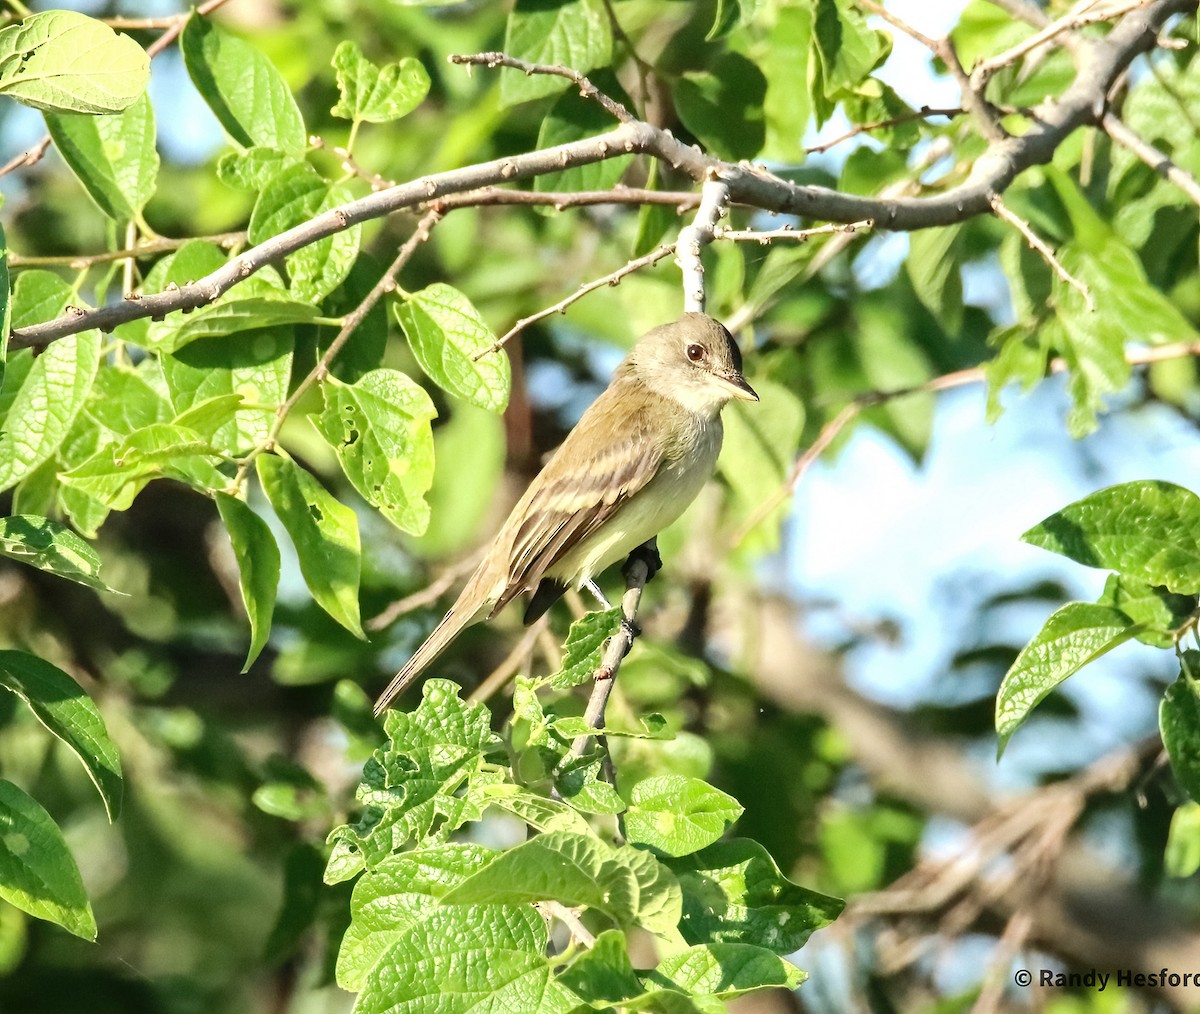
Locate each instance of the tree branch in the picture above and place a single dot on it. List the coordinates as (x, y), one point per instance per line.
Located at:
(1037, 243)
(1155, 159)
(586, 88)
(714, 203)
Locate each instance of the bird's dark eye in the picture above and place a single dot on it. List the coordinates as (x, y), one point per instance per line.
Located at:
(695, 353)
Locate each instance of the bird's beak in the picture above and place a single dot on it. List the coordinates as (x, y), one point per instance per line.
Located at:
(737, 386)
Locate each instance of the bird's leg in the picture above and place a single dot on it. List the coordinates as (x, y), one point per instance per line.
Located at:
(590, 585)
(648, 553)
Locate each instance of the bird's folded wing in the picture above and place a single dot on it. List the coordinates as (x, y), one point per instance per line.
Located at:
(568, 506)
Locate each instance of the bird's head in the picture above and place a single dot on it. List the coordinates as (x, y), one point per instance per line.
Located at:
(694, 361)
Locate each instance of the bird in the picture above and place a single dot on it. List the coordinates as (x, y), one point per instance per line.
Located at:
(636, 459)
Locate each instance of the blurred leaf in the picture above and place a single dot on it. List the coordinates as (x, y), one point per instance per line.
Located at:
(785, 64)
(936, 274)
(628, 885)
(37, 873)
(44, 408)
(675, 816)
(377, 94)
(984, 30)
(1179, 724)
(723, 106)
(64, 61)
(734, 893)
(1024, 353)
(1157, 611)
(844, 51)
(113, 156)
(324, 532)
(242, 88)
(1073, 636)
(293, 196)
(569, 33)
(1182, 855)
(51, 547)
(302, 893)
(257, 557)
(65, 710)
(1145, 530)
(446, 332)
(584, 647)
(379, 427)
(725, 970)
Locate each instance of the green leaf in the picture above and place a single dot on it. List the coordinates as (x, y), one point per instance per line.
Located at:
(51, 547)
(37, 872)
(377, 94)
(725, 970)
(1024, 352)
(400, 892)
(844, 51)
(626, 884)
(603, 974)
(258, 568)
(242, 88)
(1146, 530)
(113, 156)
(47, 403)
(379, 427)
(461, 960)
(1158, 612)
(580, 784)
(584, 647)
(1075, 635)
(66, 711)
(294, 195)
(124, 400)
(64, 61)
(252, 365)
(429, 780)
(1179, 724)
(570, 33)
(325, 534)
(723, 106)
(1181, 857)
(37, 296)
(936, 275)
(541, 812)
(446, 332)
(572, 118)
(674, 815)
(734, 893)
(785, 63)
(252, 169)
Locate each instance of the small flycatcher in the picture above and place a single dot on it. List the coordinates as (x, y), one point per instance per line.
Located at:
(632, 464)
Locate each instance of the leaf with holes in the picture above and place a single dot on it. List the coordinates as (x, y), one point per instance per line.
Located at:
(52, 547)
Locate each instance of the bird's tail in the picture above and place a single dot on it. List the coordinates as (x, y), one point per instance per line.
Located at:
(446, 631)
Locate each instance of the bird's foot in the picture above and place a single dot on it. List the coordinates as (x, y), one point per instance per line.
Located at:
(648, 553)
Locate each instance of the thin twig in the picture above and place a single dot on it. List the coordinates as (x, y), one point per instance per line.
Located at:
(172, 33)
(586, 88)
(350, 324)
(920, 114)
(900, 25)
(788, 232)
(349, 164)
(681, 200)
(569, 918)
(1155, 159)
(427, 596)
(1037, 243)
(147, 249)
(612, 278)
(695, 236)
(512, 662)
(26, 158)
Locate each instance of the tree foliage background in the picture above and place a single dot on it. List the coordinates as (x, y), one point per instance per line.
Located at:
(255, 413)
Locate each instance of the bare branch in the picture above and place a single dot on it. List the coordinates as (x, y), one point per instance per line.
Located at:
(586, 88)
(147, 249)
(30, 157)
(787, 232)
(172, 33)
(682, 200)
(920, 114)
(1155, 159)
(1037, 243)
(714, 204)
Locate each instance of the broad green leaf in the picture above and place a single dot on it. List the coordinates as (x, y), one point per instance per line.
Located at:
(734, 893)
(573, 117)
(124, 400)
(723, 106)
(936, 275)
(603, 974)
(844, 51)
(38, 296)
(252, 365)
(673, 815)
(462, 960)
(64, 61)
(294, 195)
(1179, 724)
(581, 785)
(725, 970)
(43, 409)
(785, 64)
(446, 332)
(108, 479)
(1181, 857)
(570, 33)
(38, 875)
(113, 156)
(397, 894)
(252, 169)
(379, 427)
(325, 534)
(1075, 635)
(51, 547)
(258, 568)
(1147, 530)
(377, 94)
(242, 314)
(626, 884)
(163, 442)
(243, 89)
(1157, 611)
(540, 812)
(65, 710)
(984, 29)
(428, 780)
(585, 647)
(1024, 352)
